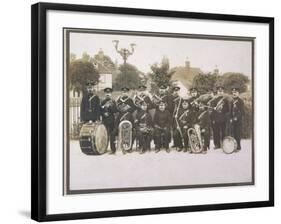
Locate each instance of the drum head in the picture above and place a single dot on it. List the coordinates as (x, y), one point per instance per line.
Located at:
(229, 145)
(101, 139)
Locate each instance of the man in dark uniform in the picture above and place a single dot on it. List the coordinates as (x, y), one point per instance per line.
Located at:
(185, 120)
(177, 135)
(125, 107)
(142, 96)
(193, 99)
(143, 124)
(165, 97)
(236, 115)
(90, 105)
(193, 105)
(219, 114)
(162, 127)
(108, 110)
(204, 121)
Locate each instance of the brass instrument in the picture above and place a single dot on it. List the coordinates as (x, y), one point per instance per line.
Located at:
(125, 138)
(195, 140)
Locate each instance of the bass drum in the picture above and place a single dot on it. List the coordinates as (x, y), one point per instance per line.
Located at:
(229, 145)
(93, 138)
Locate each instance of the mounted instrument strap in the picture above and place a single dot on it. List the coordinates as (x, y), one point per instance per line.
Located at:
(183, 114)
(220, 102)
(124, 115)
(202, 114)
(90, 103)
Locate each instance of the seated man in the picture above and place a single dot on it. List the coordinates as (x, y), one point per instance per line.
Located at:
(162, 127)
(143, 125)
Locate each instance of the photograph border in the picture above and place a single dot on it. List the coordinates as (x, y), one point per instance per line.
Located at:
(39, 110)
(66, 50)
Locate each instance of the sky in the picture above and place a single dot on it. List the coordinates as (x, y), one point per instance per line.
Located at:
(228, 56)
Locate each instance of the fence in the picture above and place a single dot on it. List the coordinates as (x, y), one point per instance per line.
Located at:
(74, 114)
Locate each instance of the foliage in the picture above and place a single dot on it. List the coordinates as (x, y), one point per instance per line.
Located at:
(128, 76)
(81, 71)
(204, 82)
(161, 74)
(231, 80)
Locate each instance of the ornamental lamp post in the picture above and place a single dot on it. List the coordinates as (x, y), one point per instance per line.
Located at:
(125, 53)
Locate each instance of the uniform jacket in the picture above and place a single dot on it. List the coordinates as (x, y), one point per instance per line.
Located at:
(125, 104)
(218, 116)
(168, 99)
(186, 117)
(236, 109)
(204, 119)
(108, 109)
(143, 118)
(145, 98)
(90, 108)
(162, 119)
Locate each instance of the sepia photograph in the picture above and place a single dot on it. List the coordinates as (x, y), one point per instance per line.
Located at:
(157, 111)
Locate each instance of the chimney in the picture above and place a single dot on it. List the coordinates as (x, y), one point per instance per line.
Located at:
(187, 63)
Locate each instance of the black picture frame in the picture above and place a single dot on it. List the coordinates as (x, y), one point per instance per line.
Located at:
(39, 110)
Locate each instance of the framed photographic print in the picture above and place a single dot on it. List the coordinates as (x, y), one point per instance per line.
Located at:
(140, 111)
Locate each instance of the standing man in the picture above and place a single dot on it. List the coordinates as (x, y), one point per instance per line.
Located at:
(193, 105)
(219, 113)
(143, 123)
(108, 110)
(204, 121)
(90, 105)
(236, 115)
(125, 107)
(177, 134)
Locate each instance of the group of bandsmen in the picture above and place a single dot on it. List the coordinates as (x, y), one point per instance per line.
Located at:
(166, 117)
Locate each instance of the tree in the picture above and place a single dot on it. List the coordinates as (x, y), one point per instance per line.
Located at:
(204, 82)
(231, 79)
(80, 72)
(72, 57)
(128, 76)
(161, 74)
(86, 57)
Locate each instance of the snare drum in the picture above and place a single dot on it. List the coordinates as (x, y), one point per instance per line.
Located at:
(93, 138)
(229, 145)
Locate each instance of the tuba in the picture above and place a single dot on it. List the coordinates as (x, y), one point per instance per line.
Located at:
(125, 138)
(195, 140)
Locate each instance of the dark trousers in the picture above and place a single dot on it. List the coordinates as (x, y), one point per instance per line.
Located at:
(111, 135)
(219, 133)
(206, 135)
(236, 132)
(144, 140)
(162, 138)
(177, 138)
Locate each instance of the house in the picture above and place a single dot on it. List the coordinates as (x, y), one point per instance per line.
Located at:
(185, 74)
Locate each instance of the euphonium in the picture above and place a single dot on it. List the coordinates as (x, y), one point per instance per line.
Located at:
(195, 140)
